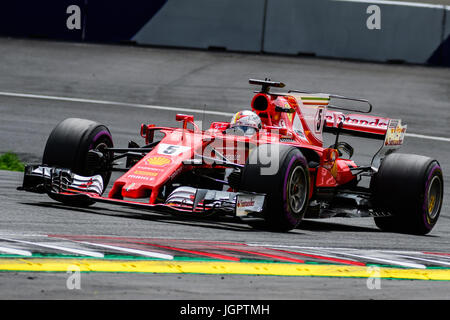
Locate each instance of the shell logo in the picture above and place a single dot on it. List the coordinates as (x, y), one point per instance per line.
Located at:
(159, 161)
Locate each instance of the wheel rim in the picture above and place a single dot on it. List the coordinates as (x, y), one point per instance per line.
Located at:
(297, 190)
(101, 145)
(434, 197)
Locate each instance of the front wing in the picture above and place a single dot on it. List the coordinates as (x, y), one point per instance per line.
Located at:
(66, 186)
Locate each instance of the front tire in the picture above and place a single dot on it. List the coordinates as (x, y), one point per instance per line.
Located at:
(68, 146)
(411, 188)
(287, 188)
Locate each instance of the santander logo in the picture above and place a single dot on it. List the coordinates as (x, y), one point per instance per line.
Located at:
(356, 119)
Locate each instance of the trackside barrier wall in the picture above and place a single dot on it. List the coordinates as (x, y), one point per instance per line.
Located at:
(355, 29)
(78, 20)
(345, 29)
(442, 54)
(230, 24)
(43, 19)
(446, 43)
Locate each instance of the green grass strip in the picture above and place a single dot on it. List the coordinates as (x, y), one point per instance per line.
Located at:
(10, 161)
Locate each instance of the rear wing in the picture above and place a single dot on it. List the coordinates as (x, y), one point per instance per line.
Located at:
(360, 125)
(390, 131)
(356, 124)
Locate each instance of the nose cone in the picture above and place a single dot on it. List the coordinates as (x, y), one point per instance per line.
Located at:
(135, 190)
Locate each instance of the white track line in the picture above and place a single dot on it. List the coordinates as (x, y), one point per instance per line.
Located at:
(426, 260)
(114, 103)
(437, 255)
(129, 250)
(321, 253)
(298, 247)
(51, 246)
(156, 107)
(16, 251)
(381, 258)
(421, 136)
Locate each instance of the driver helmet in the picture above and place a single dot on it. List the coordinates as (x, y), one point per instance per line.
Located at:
(246, 123)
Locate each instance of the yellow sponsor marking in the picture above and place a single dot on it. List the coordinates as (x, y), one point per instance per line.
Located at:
(218, 267)
(146, 173)
(158, 161)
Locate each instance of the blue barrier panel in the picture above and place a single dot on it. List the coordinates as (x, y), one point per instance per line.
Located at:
(230, 24)
(367, 30)
(294, 27)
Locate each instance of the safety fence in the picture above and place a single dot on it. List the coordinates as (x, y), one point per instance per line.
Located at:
(352, 29)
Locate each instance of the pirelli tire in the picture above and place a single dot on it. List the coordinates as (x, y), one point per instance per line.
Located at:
(411, 188)
(68, 146)
(282, 174)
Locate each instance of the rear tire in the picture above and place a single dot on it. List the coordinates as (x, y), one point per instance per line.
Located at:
(411, 188)
(68, 146)
(287, 189)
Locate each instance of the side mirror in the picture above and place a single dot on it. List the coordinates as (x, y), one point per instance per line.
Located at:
(147, 133)
(185, 118)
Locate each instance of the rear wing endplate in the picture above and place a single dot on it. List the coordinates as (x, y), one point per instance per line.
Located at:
(393, 139)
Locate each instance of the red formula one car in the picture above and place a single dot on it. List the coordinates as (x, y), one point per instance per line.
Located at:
(267, 164)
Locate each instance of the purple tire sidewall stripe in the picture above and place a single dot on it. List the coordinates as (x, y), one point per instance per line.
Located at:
(98, 135)
(425, 200)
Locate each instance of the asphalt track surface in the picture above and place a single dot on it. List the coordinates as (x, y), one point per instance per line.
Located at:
(43, 82)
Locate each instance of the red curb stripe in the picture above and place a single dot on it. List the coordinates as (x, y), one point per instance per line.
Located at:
(345, 261)
(265, 255)
(201, 253)
(129, 240)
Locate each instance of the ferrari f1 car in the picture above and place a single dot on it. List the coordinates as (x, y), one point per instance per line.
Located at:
(278, 173)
